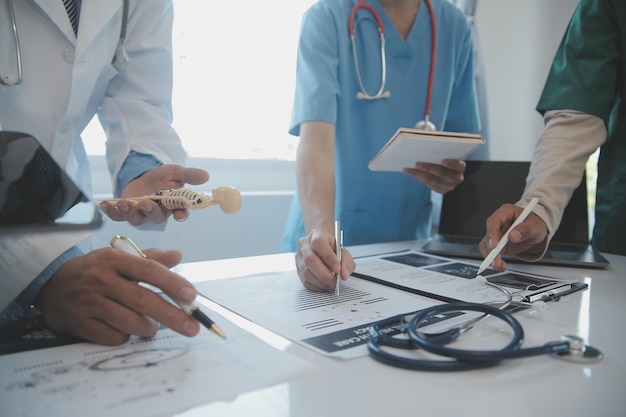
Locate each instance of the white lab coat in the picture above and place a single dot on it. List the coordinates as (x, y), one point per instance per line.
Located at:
(65, 82)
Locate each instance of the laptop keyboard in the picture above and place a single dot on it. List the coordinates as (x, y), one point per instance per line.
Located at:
(459, 240)
(565, 248)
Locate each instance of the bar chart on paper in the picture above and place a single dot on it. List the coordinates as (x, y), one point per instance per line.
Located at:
(329, 324)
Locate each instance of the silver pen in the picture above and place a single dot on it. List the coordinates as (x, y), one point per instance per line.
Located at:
(338, 248)
(125, 244)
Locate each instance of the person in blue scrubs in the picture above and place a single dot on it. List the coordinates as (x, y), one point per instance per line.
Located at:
(340, 133)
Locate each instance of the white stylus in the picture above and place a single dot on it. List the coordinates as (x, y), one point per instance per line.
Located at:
(505, 238)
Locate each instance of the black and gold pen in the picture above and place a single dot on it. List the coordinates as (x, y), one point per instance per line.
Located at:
(127, 245)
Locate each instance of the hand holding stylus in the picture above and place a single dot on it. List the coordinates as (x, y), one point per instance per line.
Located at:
(505, 237)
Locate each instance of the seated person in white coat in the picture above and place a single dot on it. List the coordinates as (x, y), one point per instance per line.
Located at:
(113, 59)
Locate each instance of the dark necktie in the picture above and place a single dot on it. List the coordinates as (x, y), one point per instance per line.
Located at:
(72, 13)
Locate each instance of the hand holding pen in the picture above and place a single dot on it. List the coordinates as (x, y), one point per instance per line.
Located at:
(95, 296)
(317, 259)
(128, 246)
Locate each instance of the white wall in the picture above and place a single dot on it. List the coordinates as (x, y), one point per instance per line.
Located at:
(518, 39)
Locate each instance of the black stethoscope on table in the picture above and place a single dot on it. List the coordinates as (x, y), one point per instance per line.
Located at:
(119, 59)
(570, 348)
(425, 124)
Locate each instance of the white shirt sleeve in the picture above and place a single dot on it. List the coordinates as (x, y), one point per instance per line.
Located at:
(561, 154)
(23, 258)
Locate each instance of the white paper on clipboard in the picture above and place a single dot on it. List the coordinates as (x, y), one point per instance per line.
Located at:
(408, 146)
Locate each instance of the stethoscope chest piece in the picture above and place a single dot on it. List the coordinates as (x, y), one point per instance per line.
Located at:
(426, 125)
(578, 351)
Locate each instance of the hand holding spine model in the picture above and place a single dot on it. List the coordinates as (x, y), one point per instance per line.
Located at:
(228, 198)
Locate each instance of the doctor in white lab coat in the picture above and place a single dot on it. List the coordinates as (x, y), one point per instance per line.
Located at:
(66, 79)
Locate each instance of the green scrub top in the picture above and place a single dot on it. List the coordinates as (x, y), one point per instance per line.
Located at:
(588, 74)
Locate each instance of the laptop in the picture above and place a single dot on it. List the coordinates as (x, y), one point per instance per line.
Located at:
(36, 195)
(488, 185)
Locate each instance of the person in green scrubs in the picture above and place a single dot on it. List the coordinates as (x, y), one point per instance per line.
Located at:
(583, 109)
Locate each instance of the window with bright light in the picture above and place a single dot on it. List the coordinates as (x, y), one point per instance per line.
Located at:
(234, 79)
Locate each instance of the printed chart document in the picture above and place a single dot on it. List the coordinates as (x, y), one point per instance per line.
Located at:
(449, 280)
(331, 325)
(382, 286)
(161, 376)
(408, 146)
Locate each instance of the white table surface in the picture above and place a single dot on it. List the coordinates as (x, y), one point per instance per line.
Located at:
(535, 386)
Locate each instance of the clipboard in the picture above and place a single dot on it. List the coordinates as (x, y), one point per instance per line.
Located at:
(408, 146)
(420, 273)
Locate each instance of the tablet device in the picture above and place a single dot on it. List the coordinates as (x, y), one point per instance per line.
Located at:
(36, 195)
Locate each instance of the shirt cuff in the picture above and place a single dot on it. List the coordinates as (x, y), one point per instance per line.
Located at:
(27, 296)
(134, 165)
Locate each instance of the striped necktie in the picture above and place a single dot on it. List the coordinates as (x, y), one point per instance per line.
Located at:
(72, 13)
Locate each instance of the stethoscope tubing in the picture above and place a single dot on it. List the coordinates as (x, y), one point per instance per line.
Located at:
(457, 359)
(363, 94)
(18, 50)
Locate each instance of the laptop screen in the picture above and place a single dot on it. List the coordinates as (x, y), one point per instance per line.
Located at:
(35, 193)
(488, 185)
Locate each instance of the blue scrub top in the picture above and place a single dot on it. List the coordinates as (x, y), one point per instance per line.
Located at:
(379, 206)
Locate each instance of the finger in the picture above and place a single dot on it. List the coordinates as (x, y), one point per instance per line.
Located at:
(499, 264)
(146, 303)
(136, 212)
(323, 244)
(181, 175)
(497, 224)
(121, 319)
(451, 168)
(311, 268)
(97, 331)
(180, 215)
(347, 264)
(100, 319)
(313, 273)
(194, 176)
(483, 246)
(455, 165)
(83, 323)
(157, 275)
(147, 210)
(310, 282)
(439, 178)
(169, 258)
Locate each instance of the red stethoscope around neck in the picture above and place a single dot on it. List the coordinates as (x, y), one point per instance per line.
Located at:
(425, 124)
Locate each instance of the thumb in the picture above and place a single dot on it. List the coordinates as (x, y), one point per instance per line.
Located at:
(194, 176)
